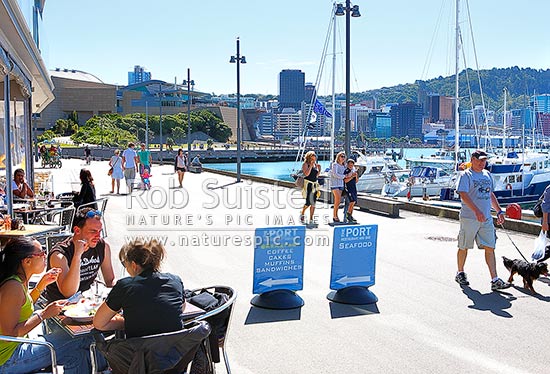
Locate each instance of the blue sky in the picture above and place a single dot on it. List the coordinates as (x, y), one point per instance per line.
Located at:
(390, 41)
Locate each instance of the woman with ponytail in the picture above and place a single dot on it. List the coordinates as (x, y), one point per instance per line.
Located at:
(151, 301)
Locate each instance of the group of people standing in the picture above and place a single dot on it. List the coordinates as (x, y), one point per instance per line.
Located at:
(128, 164)
(343, 184)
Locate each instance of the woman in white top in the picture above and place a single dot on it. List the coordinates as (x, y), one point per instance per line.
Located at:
(337, 181)
(180, 165)
(116, 163)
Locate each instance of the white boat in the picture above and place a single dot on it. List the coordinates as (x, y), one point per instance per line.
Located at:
(375, 171)
(423, 181)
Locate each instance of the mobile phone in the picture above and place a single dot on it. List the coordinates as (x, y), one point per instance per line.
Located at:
(75, 298)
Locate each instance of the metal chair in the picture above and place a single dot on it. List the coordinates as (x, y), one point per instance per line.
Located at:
(101, 205)
(222, 333)
(52, 240)
(169, 353)
(62, 217)
(37, 342)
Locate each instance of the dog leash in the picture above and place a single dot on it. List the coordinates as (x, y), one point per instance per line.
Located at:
(514, 244)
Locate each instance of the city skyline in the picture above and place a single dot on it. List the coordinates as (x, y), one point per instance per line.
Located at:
(390, 46)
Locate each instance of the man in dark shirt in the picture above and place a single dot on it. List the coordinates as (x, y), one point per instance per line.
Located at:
(350, 181)
(80, 257)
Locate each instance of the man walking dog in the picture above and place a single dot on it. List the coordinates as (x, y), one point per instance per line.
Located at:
(475, 186)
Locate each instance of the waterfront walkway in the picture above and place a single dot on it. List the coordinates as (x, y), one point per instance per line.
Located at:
(423, 322)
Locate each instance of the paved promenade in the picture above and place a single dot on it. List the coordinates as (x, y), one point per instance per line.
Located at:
(423, 322)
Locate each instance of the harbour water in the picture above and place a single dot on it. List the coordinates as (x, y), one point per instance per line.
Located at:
(281, 170)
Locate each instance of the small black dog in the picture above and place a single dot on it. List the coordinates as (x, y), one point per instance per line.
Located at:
(529, 271)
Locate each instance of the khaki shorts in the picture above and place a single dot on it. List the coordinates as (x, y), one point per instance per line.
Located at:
(482, 232)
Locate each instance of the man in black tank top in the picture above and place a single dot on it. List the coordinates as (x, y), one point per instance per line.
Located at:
(80, 257)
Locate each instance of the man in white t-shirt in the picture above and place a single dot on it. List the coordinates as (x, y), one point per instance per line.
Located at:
(130, 163)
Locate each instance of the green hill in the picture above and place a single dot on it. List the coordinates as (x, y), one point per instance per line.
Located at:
(520, 82)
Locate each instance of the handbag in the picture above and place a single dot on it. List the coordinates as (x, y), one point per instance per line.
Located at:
(299, 182)
(110, 172)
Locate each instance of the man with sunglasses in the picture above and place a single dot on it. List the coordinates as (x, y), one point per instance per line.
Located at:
(80, 257)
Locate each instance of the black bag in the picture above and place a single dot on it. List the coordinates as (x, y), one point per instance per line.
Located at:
(537, 209)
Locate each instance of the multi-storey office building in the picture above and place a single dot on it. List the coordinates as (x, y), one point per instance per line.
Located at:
(291, 89)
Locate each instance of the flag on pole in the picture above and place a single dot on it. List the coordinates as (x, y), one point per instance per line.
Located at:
(319, 108)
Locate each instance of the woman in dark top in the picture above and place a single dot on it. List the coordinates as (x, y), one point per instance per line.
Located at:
(310, 191)
(151, 301)
(87, 190)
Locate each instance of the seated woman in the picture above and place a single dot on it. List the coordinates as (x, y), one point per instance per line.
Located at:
(151, 301)
(87, 190)
(21, 258)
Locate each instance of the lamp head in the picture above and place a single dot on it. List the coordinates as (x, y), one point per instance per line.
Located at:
(233, 60)
(355, 11)
(243, 60)
(339, 10)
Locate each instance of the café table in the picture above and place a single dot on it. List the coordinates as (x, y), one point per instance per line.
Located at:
(75, 328)
(30, 230)
(34, 215)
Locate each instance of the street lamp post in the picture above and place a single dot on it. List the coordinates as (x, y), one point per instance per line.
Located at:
(349, 11)
(160, 121)
(238, 59)
(189, 83)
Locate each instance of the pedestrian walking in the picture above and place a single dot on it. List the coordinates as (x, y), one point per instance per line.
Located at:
(117, 173)
(475, 187)
(130, 163)
(311, 189)
(180, 165)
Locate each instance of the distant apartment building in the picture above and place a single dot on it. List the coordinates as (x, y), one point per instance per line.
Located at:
(291, 89)
(379, 125)
(470, 119)
(289, 124)
(265, 124)
(406, 120)
(359, 117)
(138, 75)
(310, 93)
(76, 91)
(541, 103)
(440, 109)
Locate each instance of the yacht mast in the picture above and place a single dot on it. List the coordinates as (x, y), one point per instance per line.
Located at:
(457, 99)
(504, 126)
(333, 119)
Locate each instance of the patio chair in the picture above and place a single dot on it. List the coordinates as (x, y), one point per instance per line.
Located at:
(220, 318)
(169, 353)
(101, 205)
(52, 240)
(37, 342)
(62, 217)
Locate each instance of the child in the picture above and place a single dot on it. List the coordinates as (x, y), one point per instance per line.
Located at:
(145, 178)
(350, 180)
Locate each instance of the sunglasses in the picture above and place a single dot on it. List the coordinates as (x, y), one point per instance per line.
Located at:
(93, 213)
(42, 253)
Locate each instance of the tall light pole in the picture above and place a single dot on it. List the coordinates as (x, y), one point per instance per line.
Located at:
(238, 59)
(349, 11)
(189, 83)
(160, 121)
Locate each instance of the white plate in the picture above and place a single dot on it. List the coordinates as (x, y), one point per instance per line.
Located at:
(79, 315)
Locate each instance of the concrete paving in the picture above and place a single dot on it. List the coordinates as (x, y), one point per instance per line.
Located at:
(423, 322)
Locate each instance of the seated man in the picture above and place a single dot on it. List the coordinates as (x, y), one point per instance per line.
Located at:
(20, 187)
(196, 161)
(80, 257)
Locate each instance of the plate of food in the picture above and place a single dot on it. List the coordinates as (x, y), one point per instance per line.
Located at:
(81, 312)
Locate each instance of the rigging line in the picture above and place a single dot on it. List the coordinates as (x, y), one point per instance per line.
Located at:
(478, 76)
(301, 151)
(477, 135)
(432, 43)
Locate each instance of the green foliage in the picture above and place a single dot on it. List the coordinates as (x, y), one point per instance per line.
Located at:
(521, 83)
(47, 135)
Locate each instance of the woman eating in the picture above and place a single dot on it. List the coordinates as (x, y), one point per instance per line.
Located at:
(21, 258)
(150, 300)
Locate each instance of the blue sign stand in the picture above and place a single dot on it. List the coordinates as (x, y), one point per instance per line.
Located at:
(353, 264)
(278, 267)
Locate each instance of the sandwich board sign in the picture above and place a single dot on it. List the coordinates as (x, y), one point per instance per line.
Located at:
(278, 259)
(353, 256)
